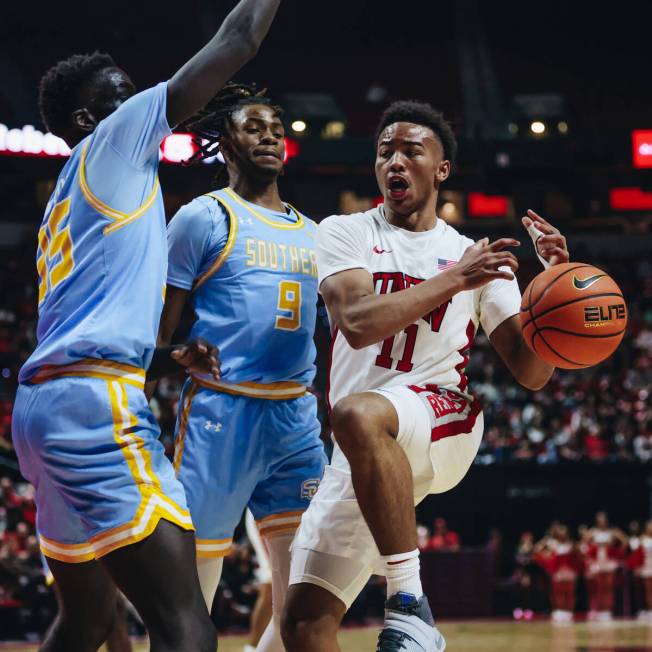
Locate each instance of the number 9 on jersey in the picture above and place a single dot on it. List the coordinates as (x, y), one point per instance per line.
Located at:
(289, 304)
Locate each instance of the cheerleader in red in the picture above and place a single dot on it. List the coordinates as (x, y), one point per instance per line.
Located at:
(640, 559)
(603, 559)
(560, 558)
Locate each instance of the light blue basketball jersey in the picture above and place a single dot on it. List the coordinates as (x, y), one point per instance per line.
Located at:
(253, 277)
(102, 252)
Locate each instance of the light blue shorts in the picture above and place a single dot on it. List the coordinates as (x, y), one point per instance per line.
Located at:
(236, 451)
(90, 447)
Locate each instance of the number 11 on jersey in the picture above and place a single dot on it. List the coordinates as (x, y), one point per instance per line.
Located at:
(384, 358)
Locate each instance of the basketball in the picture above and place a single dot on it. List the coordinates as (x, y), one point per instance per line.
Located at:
(573, 315)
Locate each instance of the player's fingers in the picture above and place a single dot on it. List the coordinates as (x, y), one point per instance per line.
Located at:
(508, 260)
(546, 229)
(496, 274)
(558, 255)
(552, 239)
(179, 353)
(526, 222)
(501, 255)
(502, 243)
(480, 244)
(535, 217)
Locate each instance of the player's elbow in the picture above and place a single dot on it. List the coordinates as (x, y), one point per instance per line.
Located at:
(355, 339)
(533, 379)
(533, 386)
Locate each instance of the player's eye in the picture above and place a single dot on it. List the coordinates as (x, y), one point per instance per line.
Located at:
(383, 153)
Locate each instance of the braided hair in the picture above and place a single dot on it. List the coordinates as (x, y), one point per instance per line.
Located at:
(212, 122)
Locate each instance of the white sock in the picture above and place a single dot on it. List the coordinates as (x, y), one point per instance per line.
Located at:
(278, 548)
(209, 570)
(402, 573)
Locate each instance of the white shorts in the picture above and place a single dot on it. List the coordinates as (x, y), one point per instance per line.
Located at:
(440, 433)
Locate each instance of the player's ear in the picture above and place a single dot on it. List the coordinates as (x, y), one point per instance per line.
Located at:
(84, 120)
(443, 171)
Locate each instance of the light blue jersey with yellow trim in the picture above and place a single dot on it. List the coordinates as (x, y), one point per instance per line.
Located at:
(102, 252)
(253, 277)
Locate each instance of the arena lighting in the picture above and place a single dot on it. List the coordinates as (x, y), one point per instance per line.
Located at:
(642, 148)
(29, 141)
(292, 149)
(177, 148)
(299, 126)
(562, 127)
(630, 199)
(481, 205)
(537, 127)
(334, 130)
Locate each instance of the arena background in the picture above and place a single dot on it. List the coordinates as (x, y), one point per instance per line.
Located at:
(551, 104)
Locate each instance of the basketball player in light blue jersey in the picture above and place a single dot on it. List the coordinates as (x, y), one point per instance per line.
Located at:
(245, 260)
(110, 510)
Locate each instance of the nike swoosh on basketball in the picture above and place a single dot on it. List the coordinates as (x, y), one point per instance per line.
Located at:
(376, 250)
(583, 283)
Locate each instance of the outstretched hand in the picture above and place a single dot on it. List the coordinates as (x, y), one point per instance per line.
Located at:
(198, 357)
(549, 243)
(482, 262)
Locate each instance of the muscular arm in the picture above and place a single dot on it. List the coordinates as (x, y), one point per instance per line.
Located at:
(236, 42)
(507, 338)
(529, 370)
(365, 318)
(175, 299)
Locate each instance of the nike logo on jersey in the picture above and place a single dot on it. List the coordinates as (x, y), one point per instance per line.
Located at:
(439, 643)
(376, 250)
(215, 427)
(583, 283)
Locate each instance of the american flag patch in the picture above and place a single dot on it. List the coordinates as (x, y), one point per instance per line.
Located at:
(443, 264)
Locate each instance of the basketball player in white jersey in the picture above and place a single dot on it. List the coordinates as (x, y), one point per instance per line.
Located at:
(406, 294)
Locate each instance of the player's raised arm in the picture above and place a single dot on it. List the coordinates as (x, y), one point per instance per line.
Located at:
(507, 338)
(236, 42)
(366, 318)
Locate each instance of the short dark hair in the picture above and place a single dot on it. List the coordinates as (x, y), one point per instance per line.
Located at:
(420, 113)
(60, 87)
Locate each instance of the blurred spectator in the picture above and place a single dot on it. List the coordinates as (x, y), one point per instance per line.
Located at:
(643, 442)
(442, 538)
(423, 537)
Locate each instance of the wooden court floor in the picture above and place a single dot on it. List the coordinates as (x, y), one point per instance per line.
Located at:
(537, 636)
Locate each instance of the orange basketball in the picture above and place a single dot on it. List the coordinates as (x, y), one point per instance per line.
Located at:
(573, 315)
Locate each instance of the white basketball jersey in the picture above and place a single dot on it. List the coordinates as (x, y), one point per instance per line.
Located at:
(434, 350)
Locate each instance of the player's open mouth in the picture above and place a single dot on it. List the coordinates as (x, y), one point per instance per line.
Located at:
(397, 187)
